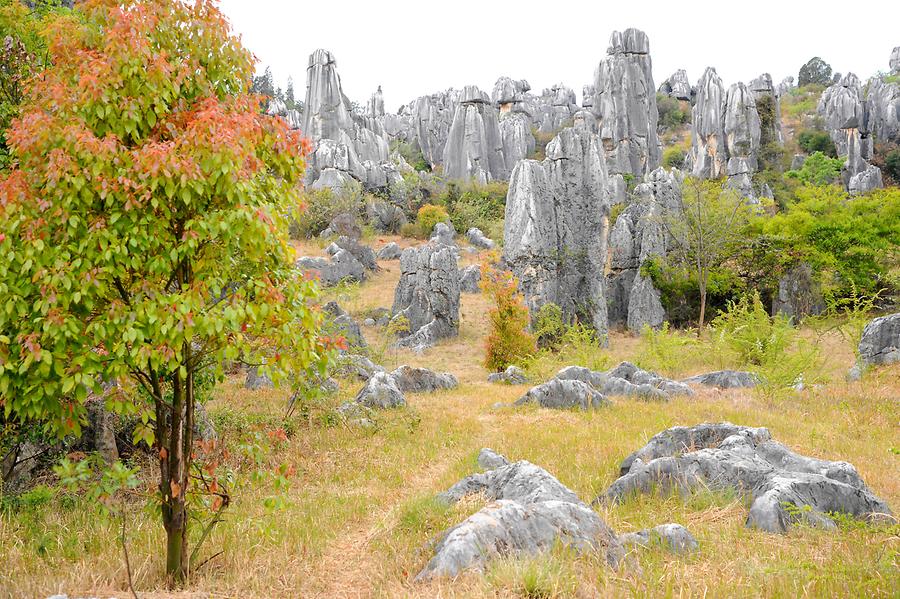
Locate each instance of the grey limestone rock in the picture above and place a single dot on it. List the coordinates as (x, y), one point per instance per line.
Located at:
(677, 86)
(428, 294)
(673, 537)
(742, 125)
(385, 217)
(555, 228)
(513, 375)
(559, 393)
(625, 104)
(799, 293)
(358, 366)
(529, 513)
(256, 380)
(470, 279)
(509, 93)
(345, 225)
(474, 148)
(895, 61)
(19, 464)
(342, 266)
(422, 380)
(443, 234)
(883, 99)
(363, 253)
(344, 324)
(747, 461)
(725, 379)
(478, 239)
(100, 433)
(708, 147)
(488, 459)
(626, 380)
(517, 138)
(390, 251)
(380, 392)
(865, 180)
(326, 110)
(880, 342)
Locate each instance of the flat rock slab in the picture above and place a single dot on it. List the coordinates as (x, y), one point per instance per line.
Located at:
(513, 375)
(557, 393)
(673, 537)
(422, 380)
(627, 380)
(725, 379)
(747, 461)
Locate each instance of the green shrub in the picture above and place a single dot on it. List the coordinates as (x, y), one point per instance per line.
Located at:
(412, 231)
(669, 351)
(680, 290)
(672, 113)
(892, 164)
(747, 329)
(812, 141)
(509, 340)
(411, 154)
(818, 169)
(476, 205)
(429, 215)
(674, 157)
(319, 207)
(549, 327)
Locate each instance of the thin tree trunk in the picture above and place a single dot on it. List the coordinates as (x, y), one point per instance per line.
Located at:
(702, 307)
(173, 507)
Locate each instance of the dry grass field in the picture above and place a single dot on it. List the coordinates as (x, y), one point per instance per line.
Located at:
(359, 512)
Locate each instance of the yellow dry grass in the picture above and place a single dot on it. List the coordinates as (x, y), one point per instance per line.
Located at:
(359, 510)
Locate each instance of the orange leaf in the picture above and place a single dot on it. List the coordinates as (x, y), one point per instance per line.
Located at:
(163, 453)
(176, 488)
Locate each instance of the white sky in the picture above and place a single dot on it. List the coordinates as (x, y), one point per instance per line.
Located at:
(412, 48)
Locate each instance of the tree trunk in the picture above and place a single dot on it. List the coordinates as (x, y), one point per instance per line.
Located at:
(702, 307)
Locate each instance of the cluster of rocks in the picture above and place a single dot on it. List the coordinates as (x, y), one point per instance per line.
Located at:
(784, 486)
(384, 390)
(637, 236)
(580, 387)
(727, 130)
(854, 117)
(348, 259)
(555, 229)
(529, 512)
(677, 86)
(513, 375)
(427, 295)
(474, 148)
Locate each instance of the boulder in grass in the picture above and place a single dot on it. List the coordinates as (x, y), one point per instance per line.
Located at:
(422, 380)
(513, 375)
(673, 537)
(725, 379)
(380, 392)
(562, 394)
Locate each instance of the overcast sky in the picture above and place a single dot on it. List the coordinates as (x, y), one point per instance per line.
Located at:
(412, 48)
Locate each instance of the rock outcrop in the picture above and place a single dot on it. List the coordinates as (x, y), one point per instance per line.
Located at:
(474, 148)
(529, 512)
(847, 119)
(708, 154)
(509, 94)
(380, 392)
(478, 239)
(341, 266)
(677, 86)
(422, 380)
(427, 294)
(517, 140)
(513, 375)
(880, 342)
(555, 227)
(564, 393)
(625, 105)
(344, 324)
(638, 235)
(626, 379)
(725, 379)
(799, 294)
(747, 461)
(674, 537)
(768, 106)
(389, 251)
(470, 279)
(430, 119)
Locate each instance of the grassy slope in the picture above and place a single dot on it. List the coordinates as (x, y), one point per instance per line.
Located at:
(360, 509)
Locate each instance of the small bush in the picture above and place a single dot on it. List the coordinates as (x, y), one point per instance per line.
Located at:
(892, 164)
(672, 113)
(670, 352)
(429, 215)
(674, 157)
(411, 154)
(818, 169)
(476, 205)
(747, 329)
(320, 206)
(812, 141)
(412, 231)
(549, 327)
(509, 340)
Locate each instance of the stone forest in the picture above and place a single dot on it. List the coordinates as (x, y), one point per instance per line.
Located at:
(637, 338)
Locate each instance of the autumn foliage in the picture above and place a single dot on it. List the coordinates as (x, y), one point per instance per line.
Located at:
(144, 229)
(509, 340)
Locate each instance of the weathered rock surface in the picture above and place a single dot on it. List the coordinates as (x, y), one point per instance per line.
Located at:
(742, 127)
(390, 251)
(474, 147)
(562, 394)
(764, 92)
(674, 537)
(385, 217)
(343, 225)
(628, 380)
(880, 342)
(358, 366)
(342, 266)
(637, 236)
(363, 253)
(555, 227)
(443, 234)
(529, 513)
(799, 293)
(708, 154)
(478, 239)
(625, 104)
(488, 459)
(428, 294)
(746, 460)
(470, 279)
(895, 61)
(100, 433)
(18, 466)
(380, 392)
(344, 324)
(725, 379)
(431, 117)
(517, 139)
(513, 375)
(422, 380)
(677, 86)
